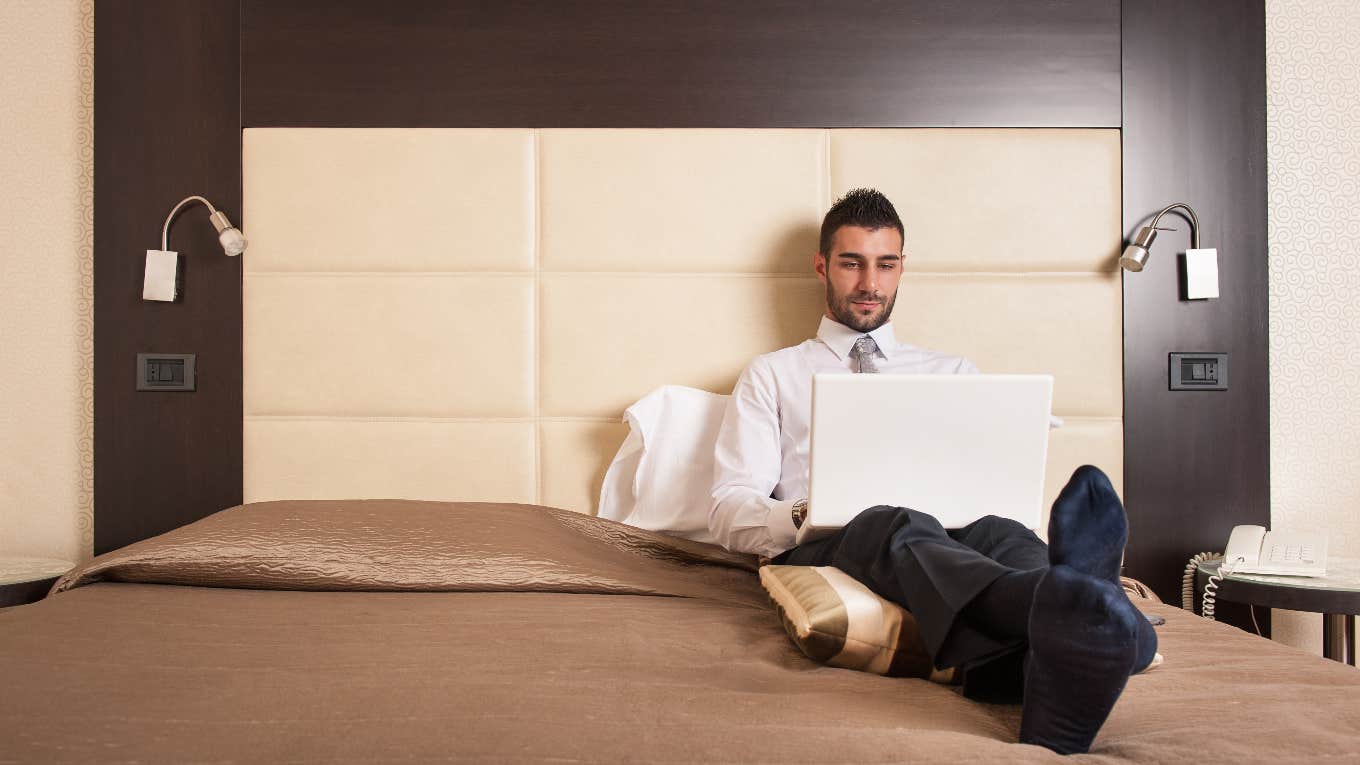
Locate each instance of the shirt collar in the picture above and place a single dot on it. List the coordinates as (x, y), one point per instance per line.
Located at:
(840, 338)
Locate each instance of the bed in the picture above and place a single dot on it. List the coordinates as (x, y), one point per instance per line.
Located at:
(462, 602)
(381, 630)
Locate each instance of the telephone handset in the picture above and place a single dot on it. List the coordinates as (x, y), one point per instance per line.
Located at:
(1253, 550)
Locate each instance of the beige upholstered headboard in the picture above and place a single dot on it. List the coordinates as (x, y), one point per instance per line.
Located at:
(464, 314)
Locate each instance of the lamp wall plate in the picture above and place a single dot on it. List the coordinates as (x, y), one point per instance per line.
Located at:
(161, 281)
(1201, 274)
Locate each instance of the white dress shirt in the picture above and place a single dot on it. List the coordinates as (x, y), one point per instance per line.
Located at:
(761, 457)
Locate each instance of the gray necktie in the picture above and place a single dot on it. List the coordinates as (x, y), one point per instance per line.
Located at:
(863, 354)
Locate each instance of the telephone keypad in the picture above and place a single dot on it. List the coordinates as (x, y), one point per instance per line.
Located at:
(1291, 553)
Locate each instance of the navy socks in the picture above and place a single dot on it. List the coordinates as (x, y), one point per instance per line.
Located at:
(1083, 644)
(1087, 529)
(1085, 637)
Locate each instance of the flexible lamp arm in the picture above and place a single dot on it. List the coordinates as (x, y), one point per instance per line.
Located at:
(232, 240)
(165, 230)
(1136, 253)
(1194, 221)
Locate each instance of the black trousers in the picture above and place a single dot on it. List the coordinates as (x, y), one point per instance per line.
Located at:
(906, 556)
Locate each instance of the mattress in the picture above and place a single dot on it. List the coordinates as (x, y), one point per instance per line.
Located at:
(415, 631)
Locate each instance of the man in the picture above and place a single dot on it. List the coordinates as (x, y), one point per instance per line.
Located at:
(1049, 625)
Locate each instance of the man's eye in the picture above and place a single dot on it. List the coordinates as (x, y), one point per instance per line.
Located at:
(849, 264)
(888, 266)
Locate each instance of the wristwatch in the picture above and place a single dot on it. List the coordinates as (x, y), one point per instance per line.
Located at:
(799, 513)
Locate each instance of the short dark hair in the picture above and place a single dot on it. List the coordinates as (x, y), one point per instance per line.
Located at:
(866, 208)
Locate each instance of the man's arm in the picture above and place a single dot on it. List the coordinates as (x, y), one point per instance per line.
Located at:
(747, 464)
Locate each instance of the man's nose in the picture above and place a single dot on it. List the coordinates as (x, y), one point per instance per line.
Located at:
(868, 281)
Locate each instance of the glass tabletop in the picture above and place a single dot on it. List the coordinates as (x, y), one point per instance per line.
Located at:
(1343, 575)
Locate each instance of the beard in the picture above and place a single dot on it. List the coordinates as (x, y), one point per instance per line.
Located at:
(846, 312)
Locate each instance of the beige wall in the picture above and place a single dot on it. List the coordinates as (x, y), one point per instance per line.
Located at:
(46, 277)
(1313, 133)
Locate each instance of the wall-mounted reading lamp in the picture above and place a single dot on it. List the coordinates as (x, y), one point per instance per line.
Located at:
(162, 266)
(1201, 265)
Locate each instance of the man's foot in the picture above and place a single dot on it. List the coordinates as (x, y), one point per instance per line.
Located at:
(1088, 529)
(1085, 639)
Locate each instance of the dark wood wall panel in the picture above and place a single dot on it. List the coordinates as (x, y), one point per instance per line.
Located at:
(1196, 463)
(167, 112)
(177, 79)
(660, 63)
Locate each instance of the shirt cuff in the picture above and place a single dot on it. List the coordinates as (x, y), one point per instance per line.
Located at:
(780, 522)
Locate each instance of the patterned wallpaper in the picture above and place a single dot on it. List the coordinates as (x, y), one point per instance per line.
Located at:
(1313, 134)
(46, 277)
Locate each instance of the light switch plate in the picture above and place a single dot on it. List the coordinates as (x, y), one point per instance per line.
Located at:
(1201, 274)
(1198, 371)
(167, 371)
(161, 281)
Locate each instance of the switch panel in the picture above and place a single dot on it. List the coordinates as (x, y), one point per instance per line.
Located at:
(1199, 371)
(166, 371)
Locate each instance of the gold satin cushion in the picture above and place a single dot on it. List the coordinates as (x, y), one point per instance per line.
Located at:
(1136, 589)
(834, 619)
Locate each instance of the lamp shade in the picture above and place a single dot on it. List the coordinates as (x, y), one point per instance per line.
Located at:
(1136, 254)
(233, 241)
(1134, 258)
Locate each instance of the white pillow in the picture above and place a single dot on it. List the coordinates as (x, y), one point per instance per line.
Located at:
(662, 477)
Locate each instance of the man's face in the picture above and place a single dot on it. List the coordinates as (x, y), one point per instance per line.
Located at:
(861, 274)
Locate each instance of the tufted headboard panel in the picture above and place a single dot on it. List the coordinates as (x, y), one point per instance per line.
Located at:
(465, 313)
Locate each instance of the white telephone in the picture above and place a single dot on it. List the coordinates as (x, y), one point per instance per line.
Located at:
(1253, 550)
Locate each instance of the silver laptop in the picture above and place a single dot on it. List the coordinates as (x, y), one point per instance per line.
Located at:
(955, 446)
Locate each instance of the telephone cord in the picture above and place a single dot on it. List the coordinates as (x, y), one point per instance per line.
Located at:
(1188, 580)
(1206, 609)
(1210, 589)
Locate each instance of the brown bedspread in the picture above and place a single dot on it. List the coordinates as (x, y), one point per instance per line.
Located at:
(485, 666)
(398, 545)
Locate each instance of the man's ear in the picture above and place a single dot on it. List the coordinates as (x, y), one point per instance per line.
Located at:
(819, 265)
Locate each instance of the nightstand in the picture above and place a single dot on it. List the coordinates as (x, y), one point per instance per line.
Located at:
(27, 580)
(1335, 596)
